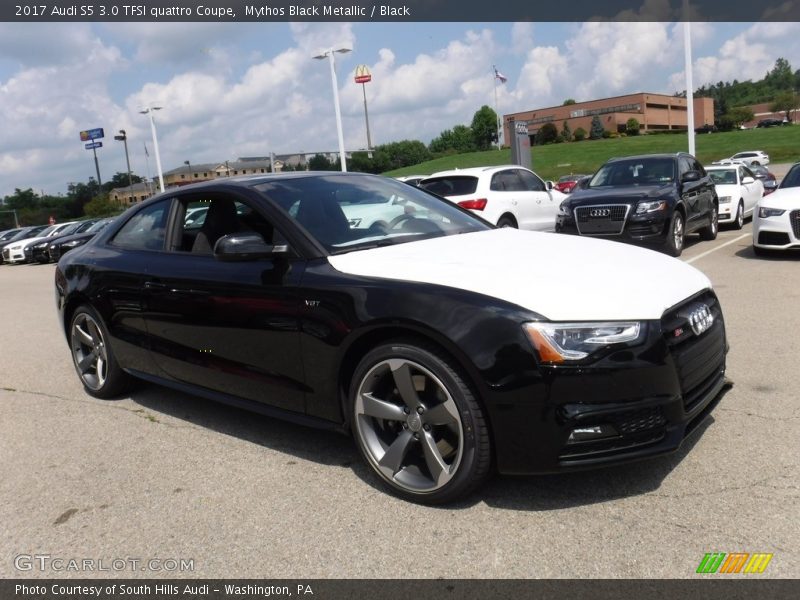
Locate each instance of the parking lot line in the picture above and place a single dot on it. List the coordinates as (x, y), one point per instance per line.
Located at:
(707, 252)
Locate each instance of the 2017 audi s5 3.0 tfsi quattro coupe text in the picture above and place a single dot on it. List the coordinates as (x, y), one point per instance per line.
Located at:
(447, 347)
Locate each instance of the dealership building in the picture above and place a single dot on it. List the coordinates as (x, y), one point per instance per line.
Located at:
(654, 112)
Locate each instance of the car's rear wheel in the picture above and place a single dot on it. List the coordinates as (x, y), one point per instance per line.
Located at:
(738, 222)
(418, 424)
(507, 221)
(675, 235)
(710, 232)
(93, 357)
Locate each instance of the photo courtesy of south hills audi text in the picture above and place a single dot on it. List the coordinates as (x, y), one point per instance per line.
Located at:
(166, 589)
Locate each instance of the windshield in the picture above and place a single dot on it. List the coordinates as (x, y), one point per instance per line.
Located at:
(29, 233)
(9, 234)
(99, 225)
(723, 176)
(353, 212)
(792, 178)
(635, 171)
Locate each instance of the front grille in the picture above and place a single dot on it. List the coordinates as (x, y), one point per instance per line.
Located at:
(699, 359)
(794, 217)
(601, 219)
(773, 238)
(6, 255)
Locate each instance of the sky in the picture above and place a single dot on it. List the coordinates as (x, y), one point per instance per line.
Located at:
(247, 89)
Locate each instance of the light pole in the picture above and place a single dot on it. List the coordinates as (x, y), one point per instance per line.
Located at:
(122, 137)
(329, 54)
(149, 111)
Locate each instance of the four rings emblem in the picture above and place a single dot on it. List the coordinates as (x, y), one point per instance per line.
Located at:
(701, 319)
(600, 212)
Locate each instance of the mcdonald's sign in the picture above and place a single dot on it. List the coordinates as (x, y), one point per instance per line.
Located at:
(362, 74)
(735, 562)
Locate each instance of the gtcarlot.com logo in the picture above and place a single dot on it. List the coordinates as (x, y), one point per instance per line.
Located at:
(735, 562)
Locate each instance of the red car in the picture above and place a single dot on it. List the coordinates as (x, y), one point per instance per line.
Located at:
(567, 183)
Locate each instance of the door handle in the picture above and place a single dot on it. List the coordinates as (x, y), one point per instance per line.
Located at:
(154, 285)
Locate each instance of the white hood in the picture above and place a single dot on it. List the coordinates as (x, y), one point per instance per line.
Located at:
(785, 198)
(561, 277)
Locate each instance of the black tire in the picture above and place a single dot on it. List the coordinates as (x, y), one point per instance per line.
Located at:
(738, 220)
(93, 356)
(676, 235)
(417, 423)
(710, 232)
(507, 221)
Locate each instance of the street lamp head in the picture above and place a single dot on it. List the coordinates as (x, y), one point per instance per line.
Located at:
(326, 53)
(343, 50)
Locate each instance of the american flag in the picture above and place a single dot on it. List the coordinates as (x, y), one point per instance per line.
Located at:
(499, 75)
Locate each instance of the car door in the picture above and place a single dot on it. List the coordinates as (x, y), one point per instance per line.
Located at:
(545, 203)
(230, 327)
(752, 190)
(692, 195)
(505, 195)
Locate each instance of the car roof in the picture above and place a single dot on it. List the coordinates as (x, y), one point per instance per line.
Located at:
(657, 155)
(474, 171)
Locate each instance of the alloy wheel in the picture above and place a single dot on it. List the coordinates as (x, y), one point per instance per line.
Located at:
(677, 232)
(89, 351)
(409, 425)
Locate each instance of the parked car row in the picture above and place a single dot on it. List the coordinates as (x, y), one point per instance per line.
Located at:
(44, 243)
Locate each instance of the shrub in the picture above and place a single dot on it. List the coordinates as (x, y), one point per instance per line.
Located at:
(580, 134)
(632, 127)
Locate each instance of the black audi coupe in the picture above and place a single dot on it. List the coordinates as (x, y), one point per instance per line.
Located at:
(449, 348)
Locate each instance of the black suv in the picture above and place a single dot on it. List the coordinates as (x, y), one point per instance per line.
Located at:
(653, 199)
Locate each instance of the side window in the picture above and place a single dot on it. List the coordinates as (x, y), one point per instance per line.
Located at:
(506, 181)
(531, 182)
(698, 167)
(683, 165)
(146, 229)
(209, 219)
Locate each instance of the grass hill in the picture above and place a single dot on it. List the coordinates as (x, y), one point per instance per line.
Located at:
(551, 161)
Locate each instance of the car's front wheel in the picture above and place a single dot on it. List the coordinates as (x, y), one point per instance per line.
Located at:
(675, 235)
(93, 357)
(738, 222)
(418, 424)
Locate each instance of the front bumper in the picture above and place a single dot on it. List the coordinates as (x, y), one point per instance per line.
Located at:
(647, 229)
(644, 402)
(12, 256)
(777, 233)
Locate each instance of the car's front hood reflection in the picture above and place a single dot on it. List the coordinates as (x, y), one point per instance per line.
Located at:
(563, 278)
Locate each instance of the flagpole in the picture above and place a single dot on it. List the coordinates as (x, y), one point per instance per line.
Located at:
(496, 111)
(147, 168)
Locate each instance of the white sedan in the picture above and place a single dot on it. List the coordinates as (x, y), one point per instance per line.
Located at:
(747, 158)
(508, 196)
(776, 225)
(738, 191)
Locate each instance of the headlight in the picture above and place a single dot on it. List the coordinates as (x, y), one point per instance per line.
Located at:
(563, 208)
(564, 342)
(724, 199)
(766, 213)
(652, 206)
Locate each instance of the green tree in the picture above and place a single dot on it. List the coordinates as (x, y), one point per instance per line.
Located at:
(785, 102)
(100, 206)
(400, 154)
(632, 127)
(547, 134)
(120, 180)
(568, 101)
(580, 134)
(596, 131)
(320, 162)
(484, 127)
(566, 132)
(781, 76)
(740, 114)
(21, 199)
(458, 139)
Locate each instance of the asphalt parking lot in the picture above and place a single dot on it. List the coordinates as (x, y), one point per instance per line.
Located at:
(162, 475)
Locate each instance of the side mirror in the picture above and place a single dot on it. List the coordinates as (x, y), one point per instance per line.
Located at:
(690, 176)
(748, 179)
(549, 184)
(245, 246)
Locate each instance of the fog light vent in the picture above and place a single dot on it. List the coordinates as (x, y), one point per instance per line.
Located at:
(592, 433)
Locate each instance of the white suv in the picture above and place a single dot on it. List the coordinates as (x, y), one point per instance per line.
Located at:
(748, 158)
(508, 196)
